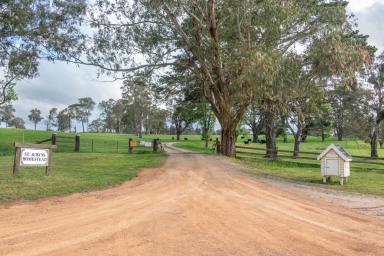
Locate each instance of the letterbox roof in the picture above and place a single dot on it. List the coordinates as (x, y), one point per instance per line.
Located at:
(339, 151)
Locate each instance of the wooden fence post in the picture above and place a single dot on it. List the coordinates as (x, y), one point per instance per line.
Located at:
(155, 145)
(16, 162)
(130, 145)
(77, 143)
(218, 147)
(53, 139)
(48, 168)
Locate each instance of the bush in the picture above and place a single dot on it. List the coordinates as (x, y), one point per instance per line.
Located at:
(173, 138)
(185, 138)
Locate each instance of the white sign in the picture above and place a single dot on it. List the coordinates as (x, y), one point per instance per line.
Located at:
(146, 144)
(34, 157)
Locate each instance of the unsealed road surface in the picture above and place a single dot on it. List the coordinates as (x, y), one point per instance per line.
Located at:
(193, 205)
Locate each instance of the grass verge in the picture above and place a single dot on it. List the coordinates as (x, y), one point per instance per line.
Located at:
(196, 146)
(361, 181)
(71, 173)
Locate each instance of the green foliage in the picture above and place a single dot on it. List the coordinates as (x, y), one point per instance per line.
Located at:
(35, 116)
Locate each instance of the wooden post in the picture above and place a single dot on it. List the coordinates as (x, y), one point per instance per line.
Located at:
(218, 147)
(77, 143)
(16, 161)
(48, 168)
(155, 145)
(130, 145)
(53, 139)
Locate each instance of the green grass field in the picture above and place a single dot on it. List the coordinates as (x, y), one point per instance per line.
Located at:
(71, 172)
(362, 179)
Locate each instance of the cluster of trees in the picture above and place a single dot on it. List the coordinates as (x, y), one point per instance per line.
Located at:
(277, 66)
(142, 110)
(7, 115)
(64, 120)
(61, 120)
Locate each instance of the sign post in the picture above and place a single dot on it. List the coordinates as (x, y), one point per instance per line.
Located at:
(33, 155)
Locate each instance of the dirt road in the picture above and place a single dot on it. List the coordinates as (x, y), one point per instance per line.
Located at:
(193, 205)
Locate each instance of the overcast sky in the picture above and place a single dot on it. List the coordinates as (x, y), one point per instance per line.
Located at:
(60, 84)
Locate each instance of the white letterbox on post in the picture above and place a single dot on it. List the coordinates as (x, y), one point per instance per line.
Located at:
(335, 161)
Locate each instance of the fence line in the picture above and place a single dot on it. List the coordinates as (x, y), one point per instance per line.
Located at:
(369, 163)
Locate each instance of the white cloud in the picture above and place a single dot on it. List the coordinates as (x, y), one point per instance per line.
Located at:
(359, 5)
(370, 21)
(60, 85)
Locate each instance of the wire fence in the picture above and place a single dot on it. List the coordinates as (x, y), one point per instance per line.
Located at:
(308, 158)
(72, 143)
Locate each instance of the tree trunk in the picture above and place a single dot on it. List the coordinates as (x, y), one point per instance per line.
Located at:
(296, 148)
(339, 133)
(178, 133)
(228, 145)
(82, 125)
(255, 133)
(35, 126)
(322, 134)
(255, 137)
(374, 152)
(270, 134)
(285, 137)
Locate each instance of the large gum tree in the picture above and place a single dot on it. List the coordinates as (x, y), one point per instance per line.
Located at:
(217, 40)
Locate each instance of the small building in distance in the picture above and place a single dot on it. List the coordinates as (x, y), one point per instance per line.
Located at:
(335, 161)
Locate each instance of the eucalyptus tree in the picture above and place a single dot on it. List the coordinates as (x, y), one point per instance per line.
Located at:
(33, 30)
(106, 115)
(183, 116)
(377, 81)
(206, 119)
(157, 120)
(84, 109)
(254, 118)
(63, 121)
(51, 119)
(17, 122)
(302, 96)
(138, 96)
(216, 40)
(35, 116)
(7, 114)
(118, 111)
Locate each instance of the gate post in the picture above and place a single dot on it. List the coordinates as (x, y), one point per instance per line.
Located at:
(218, 147)
(77, 143)
(130, 145)
(53, 139)
(155, 145)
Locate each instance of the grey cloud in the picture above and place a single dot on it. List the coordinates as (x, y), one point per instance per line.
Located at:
(371, 22)
(61, 84)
